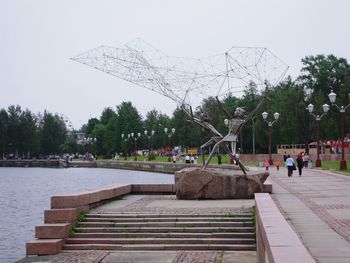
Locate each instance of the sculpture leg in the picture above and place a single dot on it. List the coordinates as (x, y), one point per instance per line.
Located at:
(212, 152)
(240, 164)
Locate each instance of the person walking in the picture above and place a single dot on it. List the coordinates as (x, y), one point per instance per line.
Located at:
(266, 164)
(300, 164)
(285, 156)
(278, 164)
(290, 165)
(306, 160)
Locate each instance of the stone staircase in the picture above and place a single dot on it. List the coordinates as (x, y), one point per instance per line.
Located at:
(138, 231)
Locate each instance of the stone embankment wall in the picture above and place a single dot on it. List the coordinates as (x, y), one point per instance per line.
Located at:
(154, 166)
(29, 163)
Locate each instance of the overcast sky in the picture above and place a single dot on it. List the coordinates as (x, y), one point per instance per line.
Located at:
(37, 39)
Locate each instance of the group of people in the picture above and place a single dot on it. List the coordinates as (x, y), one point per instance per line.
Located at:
(301, 162)
(291, 164)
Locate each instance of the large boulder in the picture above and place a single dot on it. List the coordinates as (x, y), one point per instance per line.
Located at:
(198, 183)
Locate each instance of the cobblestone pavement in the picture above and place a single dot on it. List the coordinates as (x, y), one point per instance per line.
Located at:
(69, 257)
(146, 257)
(326, 193)
(169, 204)
(198, 257)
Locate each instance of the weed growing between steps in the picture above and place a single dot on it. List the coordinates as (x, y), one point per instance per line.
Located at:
(231, 214)
(81, 218)
(219, 260)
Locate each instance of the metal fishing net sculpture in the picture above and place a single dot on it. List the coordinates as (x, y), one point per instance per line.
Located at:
(188, 81)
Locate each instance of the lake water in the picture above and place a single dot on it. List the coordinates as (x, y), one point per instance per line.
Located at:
(25, 194)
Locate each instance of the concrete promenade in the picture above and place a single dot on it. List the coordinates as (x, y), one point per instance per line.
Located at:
(317, 205)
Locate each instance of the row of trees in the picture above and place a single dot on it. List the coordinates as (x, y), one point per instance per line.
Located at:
(28, 134)
(25, 134)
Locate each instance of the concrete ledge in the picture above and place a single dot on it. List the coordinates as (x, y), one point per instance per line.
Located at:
(90, 197)
(276, 240)
(267, 188)
(44, 247)
(50, 231)
(66, 215)
(153, 188)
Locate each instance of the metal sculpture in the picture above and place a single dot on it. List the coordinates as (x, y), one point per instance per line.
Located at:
(188, 81)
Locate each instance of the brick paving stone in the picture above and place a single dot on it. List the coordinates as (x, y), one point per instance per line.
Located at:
(69, 257)
(143, 205)
(197, 257)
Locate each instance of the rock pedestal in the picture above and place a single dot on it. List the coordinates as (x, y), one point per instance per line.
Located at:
(198, 183)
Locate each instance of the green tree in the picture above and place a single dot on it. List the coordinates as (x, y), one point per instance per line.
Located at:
(4, 122)
(53, 133)
(128, 120)
(14, 113)
(28, 134)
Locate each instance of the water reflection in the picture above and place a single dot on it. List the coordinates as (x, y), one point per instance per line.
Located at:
(25, 193)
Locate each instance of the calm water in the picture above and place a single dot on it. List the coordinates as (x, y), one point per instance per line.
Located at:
(25, 194)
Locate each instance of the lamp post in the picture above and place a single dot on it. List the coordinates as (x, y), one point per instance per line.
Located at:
(149, 143)
(169, 136)
(137, 136)
(253, 134)
(125, 140)
(276, 115)
(332, 97)
(325, 108)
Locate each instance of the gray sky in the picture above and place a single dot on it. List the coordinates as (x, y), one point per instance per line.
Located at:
(39, 37)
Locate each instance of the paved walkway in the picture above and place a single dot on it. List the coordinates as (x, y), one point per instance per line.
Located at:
(317, 205)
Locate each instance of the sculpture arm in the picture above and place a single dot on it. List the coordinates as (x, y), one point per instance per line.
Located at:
(251, 114)
(222, 108)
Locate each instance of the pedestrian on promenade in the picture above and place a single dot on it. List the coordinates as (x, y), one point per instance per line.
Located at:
(300, 164)
(290, 165)
(285, 156)
(278, 164)
(266, 164)
(187, 158)
(306, 160)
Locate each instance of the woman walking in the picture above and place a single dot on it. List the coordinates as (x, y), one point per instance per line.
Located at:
(300, 163)
(290, 165)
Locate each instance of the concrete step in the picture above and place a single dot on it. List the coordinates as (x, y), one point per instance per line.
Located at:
(164, 235)
(167, 224)
(163, 229)
(161, 215)
(168, 219)
(160, 247)
(145, 241)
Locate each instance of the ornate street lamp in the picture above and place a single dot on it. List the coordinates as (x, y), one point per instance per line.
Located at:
(125, 140)
(137, 136)
(276, 115)
(169, 136)
(325, 108)
(149, 142)
(332, 97)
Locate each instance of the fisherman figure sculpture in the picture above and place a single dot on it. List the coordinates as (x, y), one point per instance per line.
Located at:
(235, 124)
